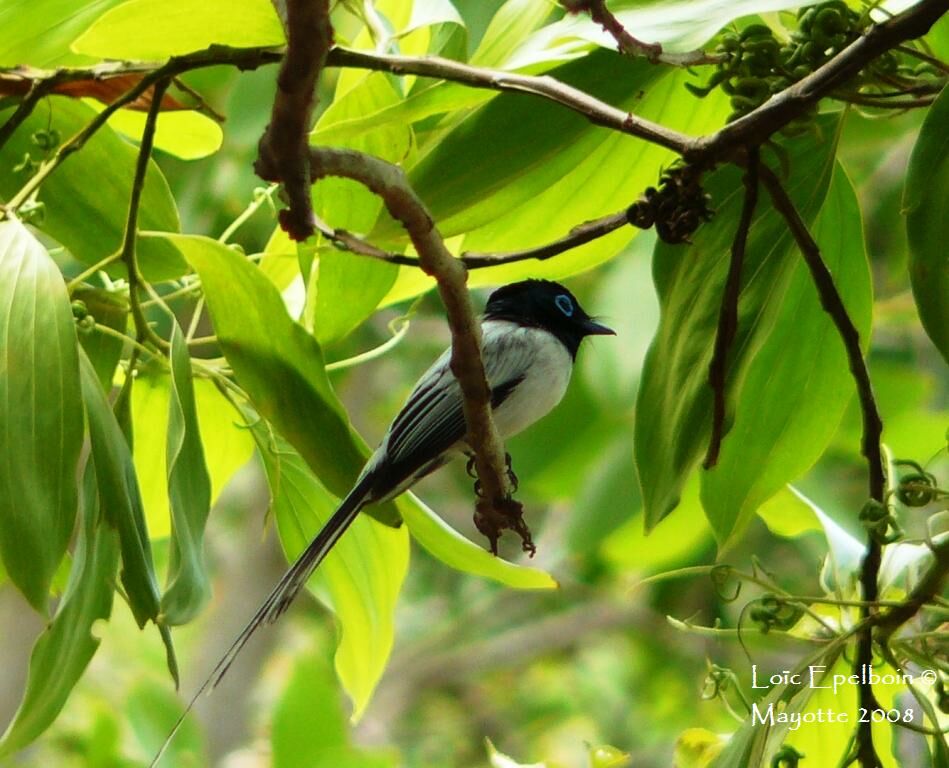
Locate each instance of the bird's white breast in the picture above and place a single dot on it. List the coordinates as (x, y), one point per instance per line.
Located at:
(544, 362)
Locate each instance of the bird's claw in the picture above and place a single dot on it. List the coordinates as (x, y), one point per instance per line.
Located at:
(512, 478)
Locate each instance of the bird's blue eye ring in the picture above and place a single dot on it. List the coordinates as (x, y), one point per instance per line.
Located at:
(564, 304)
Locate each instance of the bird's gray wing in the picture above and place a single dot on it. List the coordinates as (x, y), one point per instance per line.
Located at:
(432, 419)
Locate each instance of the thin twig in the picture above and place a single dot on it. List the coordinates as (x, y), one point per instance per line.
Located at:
(38, 89)
(580, 234)
(143, 330)
(728, 315)
(282, 154)
(389, 182)
(832, 303)
(625, 42)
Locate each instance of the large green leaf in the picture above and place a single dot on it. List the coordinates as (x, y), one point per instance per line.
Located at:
(360, 578)
(453, 549)
(798, 385)
(925, 201)
(674, 405)
(276, 361)
(508, 27)
(66, 646)
(183, 133)
(122, 506)
(156, 29)
(93, 186)
(516, 146)
(40, 32)
(40, 413)
(189, 493)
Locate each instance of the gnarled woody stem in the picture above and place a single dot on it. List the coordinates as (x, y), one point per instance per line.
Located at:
(389, 182)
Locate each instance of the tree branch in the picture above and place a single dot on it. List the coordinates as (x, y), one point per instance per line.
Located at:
(283, 151)
(872, 431)
(782, 108)
(389, 182)
(728, 315)
(925, 590)
(594, 110)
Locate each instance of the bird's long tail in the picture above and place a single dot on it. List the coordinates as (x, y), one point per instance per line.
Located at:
(281, 596)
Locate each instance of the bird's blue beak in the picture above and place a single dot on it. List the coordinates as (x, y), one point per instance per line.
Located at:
(592, 328)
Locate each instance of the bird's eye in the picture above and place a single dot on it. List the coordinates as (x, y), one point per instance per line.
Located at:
(564, 304)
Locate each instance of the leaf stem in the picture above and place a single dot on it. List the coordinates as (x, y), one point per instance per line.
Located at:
(728, 314)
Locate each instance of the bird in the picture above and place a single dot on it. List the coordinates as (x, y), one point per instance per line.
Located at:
(531, 333)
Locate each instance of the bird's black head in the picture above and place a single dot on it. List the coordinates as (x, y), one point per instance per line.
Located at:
(544, 304)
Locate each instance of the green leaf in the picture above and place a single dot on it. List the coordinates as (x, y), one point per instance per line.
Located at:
(153, 30)
(453, 549)
(431, 99)
(227, 445)
(697, 747)
(344, 289)
(189, 492)
(122, 506)
(508, 27)
(109, 308)
(278, 363)
(531, 171)
(66, 646)
(43, 31)
(360, 578)
(498, 759)
(673, 543)
(71, 204)
(674, 404)
(925, 201)
(789, 513)
(182, 133)
(40, 411)
(427, 13)
(798, 384)
(515, 147)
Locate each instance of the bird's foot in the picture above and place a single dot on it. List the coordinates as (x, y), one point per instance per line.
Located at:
(493, 517)
(472, 471)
